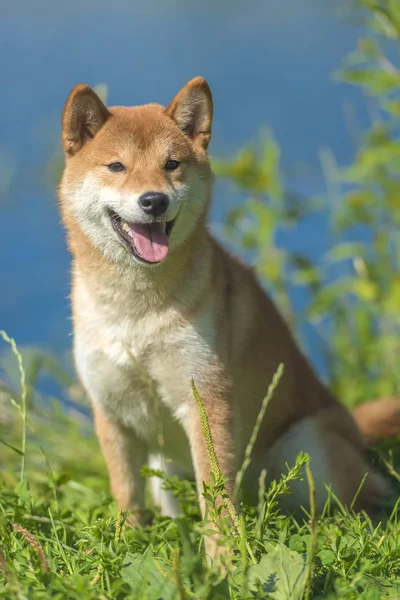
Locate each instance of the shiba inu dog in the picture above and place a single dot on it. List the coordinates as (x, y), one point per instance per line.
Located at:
(158, 302)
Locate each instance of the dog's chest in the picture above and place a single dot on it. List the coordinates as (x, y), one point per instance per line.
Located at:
(137, 362)
(173, 354)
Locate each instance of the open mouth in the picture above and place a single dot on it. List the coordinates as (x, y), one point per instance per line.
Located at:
(147, 242)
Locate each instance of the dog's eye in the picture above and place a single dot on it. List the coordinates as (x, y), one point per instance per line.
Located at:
(171, 165)
(116, 167)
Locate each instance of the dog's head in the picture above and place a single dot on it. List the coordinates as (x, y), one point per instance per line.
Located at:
(137, 179)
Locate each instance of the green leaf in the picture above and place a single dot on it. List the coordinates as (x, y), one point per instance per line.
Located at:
(282, 574)
(12, 447)
(146, 574)
(326, 557)
(369, 47)
(297, 543)
(345, 251)
(209, 532)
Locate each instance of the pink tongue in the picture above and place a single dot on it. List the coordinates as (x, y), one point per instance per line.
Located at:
(151, 241)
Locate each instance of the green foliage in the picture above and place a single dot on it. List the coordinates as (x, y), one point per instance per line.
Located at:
(354, 288)
(62, 536)
(282, 573)
(60, 539)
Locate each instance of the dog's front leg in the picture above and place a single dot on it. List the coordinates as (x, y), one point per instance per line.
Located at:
(125, 455)
(220, 419)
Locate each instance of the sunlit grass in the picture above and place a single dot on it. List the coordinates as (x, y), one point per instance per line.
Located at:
(61, 535)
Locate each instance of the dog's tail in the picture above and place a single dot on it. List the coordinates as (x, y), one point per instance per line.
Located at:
(378, 419)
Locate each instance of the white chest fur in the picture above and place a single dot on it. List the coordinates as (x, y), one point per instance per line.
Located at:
(138, 364)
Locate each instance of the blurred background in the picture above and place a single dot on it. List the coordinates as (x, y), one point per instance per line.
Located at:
(304, 147)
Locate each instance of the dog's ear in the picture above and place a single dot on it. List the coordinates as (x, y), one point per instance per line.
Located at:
(84, 114)
(192, 111)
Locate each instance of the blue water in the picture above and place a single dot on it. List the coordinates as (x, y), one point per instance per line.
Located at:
(269, 63)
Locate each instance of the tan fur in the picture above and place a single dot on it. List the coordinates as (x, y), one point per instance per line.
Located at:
(142, 332)
(378, 420)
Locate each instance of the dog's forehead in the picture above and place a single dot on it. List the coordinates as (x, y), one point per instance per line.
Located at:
(142, 128)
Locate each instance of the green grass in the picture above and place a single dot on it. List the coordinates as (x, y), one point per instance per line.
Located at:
(61, 535)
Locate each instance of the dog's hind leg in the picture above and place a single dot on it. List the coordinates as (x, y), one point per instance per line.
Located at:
(334, 462)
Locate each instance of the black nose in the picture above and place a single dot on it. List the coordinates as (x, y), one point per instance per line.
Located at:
(154, 203)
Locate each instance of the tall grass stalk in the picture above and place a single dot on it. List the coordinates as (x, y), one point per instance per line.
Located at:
(21, 407)
(249, 449)
(313, 531)
(218, 476)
